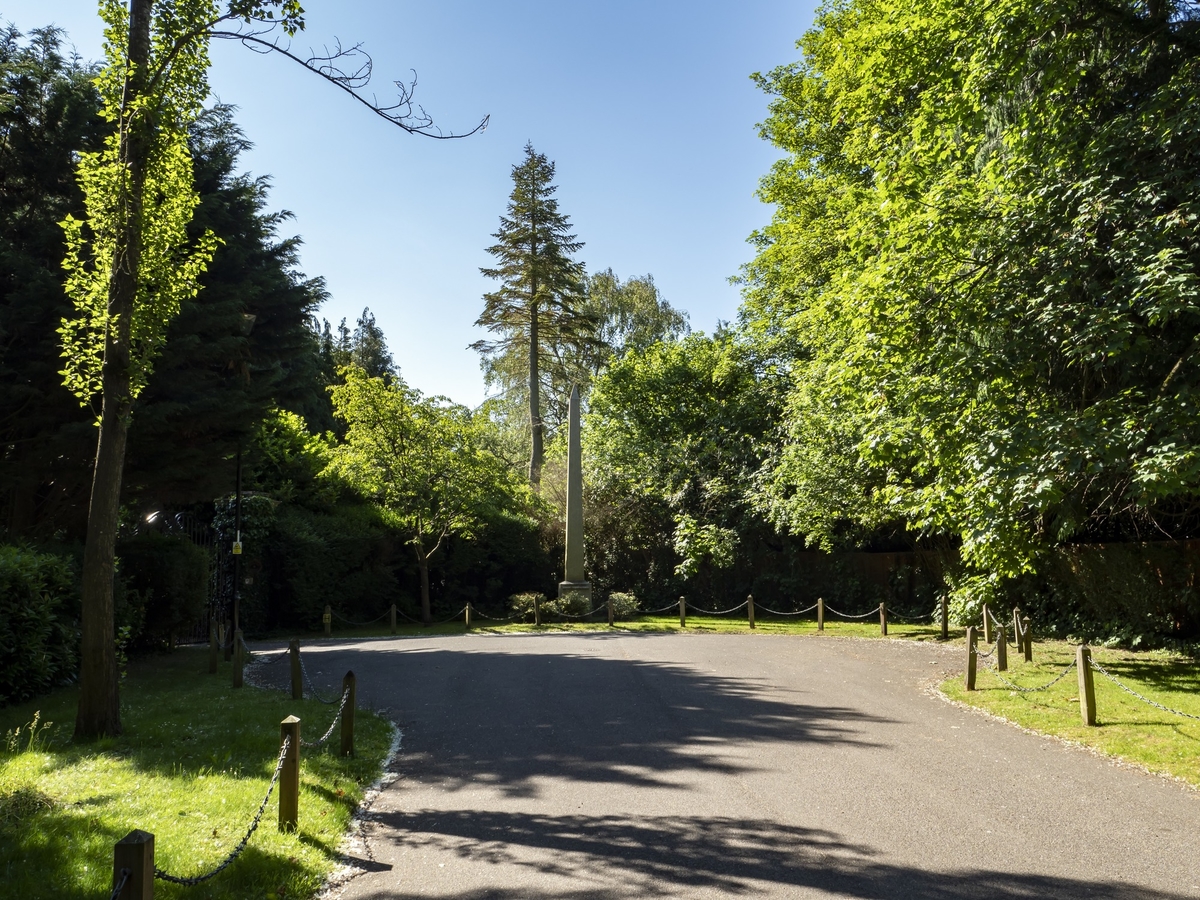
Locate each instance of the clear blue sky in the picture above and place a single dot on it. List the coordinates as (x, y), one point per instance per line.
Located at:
(646, 107)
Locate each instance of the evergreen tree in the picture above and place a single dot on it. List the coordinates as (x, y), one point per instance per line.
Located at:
(538, 309)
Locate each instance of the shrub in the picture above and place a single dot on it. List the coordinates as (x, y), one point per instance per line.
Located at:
(623, 604)
(169, 576)
(39, 637)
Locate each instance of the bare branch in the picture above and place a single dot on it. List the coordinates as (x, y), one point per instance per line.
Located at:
(350, 69)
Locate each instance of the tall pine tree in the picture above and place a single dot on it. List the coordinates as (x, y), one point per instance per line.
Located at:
(538, 309)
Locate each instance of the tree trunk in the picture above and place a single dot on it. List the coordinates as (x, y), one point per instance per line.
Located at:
(99, 706)
(423, 568)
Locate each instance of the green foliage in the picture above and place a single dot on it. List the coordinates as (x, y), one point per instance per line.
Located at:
(167, 578)
(623, 604)
(170, 264)
(981, 275)
(574, 604)
(39, 639)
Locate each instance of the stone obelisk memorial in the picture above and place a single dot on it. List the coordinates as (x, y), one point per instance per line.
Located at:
(574, 581)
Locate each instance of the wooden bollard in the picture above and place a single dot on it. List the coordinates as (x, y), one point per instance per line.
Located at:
(1028, 639)
(537, 609)
(289, 776)
(135, 853)
(239, 659)
(945, 619)
(972, 659)
(987, 625)
(611, 617)
(348, 684)
(750, 608)
(214, 650)
(297, 672)
(393, 618)
(820, 614)
(682, 613)
(327, 620)
(1002, 650)
(467, 616)
(1018, 640)
(1087, 688)
(883, 619)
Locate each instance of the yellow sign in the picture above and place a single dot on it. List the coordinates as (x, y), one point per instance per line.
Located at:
(326, 618)
(237, 548)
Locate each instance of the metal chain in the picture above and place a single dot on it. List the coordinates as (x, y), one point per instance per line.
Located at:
(718, 612)
(1099, 668)
(776, 612)
(311, 687)
(332, 725)
(983, 655)
(1033, 690)
(848, 616)
(484, 615)
(237, 851)
(268, 662)
(340, 617)
(902, 618)
(120, 886)
(407, 616)
(651, 612)
(590, 612)
(451, 619)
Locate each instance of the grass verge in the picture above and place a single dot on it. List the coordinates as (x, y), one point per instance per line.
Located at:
(1127, 728)
(191, 767)
(665, 624)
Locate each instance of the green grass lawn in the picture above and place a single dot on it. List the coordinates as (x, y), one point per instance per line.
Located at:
(191, 767)
(1127, 728)
(659, 623)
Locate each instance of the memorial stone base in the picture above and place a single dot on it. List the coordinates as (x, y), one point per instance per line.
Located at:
(572, 589)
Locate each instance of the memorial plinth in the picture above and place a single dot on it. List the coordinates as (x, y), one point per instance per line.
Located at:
(574, 581)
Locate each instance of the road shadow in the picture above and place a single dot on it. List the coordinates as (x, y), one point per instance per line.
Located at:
(619, 857)
(479, 715)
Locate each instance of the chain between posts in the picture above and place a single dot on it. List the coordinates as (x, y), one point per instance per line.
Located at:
(312, 688)
(332, 725)
(120, 885)
(237, 851)
(830, 609)
(901, 618)
(717, 612)
(1175, 712)
(776, 612)
(1033, 690)
(341, 618)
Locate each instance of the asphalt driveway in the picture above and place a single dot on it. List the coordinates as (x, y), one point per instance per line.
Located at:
(615, 765)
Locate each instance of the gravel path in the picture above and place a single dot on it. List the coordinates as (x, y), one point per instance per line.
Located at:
(617, 765)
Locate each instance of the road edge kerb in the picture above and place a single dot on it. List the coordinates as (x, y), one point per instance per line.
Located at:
(935, 689)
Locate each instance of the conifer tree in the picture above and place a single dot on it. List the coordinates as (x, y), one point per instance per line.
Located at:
(538, 309)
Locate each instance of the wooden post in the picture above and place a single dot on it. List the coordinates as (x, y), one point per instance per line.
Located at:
(945, 619)
(289, 776)
(611, 618)
(135, 852)
(820, 614)
(1087, 689)
(214, 651)
(972, 659)
(682, 613)
(1017, 639)
(297, 676)
(393, 618)
(327, 619)
(750, 608)
(883, 619)
(1001, 650)
(1028, 639)
(238, 658)
(987, 625)
(467, 615)
(537, 609)
(348, 684)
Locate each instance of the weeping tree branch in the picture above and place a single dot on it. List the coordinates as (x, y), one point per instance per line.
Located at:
(350, 69)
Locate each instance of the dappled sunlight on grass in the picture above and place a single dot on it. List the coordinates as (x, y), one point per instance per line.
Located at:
(192, 768)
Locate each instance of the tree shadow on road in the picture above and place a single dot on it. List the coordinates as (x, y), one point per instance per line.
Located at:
(508, 719)
(619, 857)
